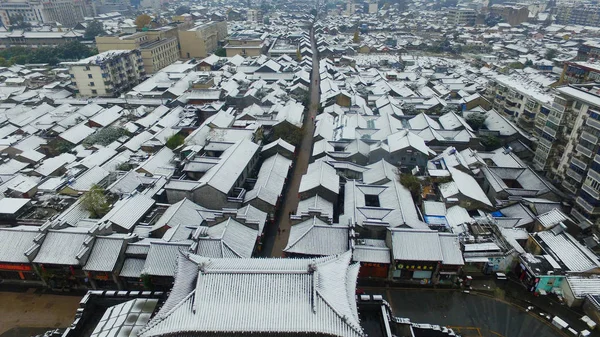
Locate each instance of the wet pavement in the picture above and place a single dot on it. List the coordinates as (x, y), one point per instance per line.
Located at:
(468, 314)
(28, 313)
(278, 242)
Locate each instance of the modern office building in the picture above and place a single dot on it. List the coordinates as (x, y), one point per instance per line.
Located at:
(202, 39)
(66, 12)
(107, 74)
(159, 47)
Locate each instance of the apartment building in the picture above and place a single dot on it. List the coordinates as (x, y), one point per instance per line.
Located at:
(462, 16)
(576, 110)
(246, 43)
(513, 14)
(518, 98)
(588, 50)
(578, 14)
(201, 39)
(580, 72)
(159, 47)
(107, 74)
(254, 15)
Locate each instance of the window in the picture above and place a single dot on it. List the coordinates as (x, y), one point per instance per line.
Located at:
(91, 84)
(94, 91)
(89, 75)
(372, 200)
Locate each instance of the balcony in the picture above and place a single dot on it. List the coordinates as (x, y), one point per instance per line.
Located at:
(584, 151)
(579, 163)
(597, 158)
(593, 123)
(589, 137)
(589, 190)
(550, 131)
(559, 107)
(587, 207)
(539, 164)
(569, 187)
(574, 175)
(554, 120)
(594, 175)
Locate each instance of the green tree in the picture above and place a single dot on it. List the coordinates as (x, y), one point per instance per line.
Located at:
(412, 183)
(267, 21)
(356, 38)
(491, 143)
(550, 54)
(221, 52)
(289, 133)
(313, 12)
(94, 29)
(105, 136)
(60, 146)
(182, 10)
(175, 141)
(18, 22)
(476, 120)
(142, 21)
(529, 63)
(95, 202)
(516, 65)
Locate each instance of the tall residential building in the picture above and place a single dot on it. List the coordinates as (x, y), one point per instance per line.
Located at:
(518, 98)
(202, 39)
(513, 14)
(107, 74)
(580, 72)
(462, 16)
(254, 15)
(588, 50)
(578, 14)
(159, 47)
(576, 110)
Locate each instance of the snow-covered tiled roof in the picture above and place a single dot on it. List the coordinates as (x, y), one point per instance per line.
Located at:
(302, 296)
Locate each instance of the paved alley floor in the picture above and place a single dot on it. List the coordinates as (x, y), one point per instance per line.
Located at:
(25, 313)
(300, 164)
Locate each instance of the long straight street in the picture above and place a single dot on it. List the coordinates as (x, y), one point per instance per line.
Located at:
(279, 239)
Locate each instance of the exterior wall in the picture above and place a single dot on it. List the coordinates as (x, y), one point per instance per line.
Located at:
(209, 197)
(248, 51)
(202, 41)
(79, 74)
(549, 282)
(569, 296)
(160, 56)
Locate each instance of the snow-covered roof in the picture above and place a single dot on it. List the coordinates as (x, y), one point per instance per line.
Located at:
(303, 295)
